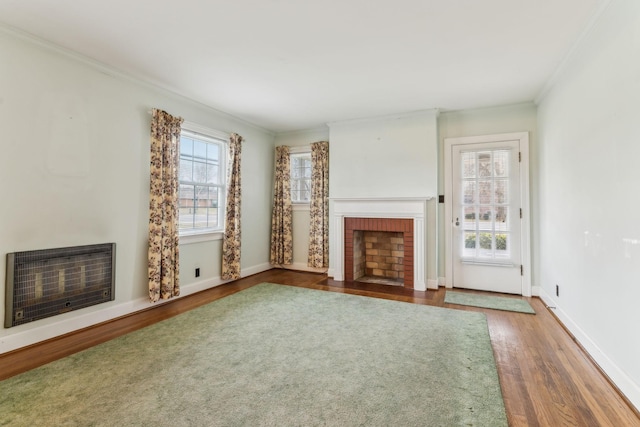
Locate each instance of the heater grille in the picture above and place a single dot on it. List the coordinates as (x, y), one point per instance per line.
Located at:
(47, 282)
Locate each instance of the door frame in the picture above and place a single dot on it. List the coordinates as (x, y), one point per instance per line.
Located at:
(525, 234)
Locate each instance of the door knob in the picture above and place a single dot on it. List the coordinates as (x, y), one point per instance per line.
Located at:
(457, 222)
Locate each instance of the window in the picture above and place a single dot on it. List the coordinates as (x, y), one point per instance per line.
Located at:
(300, 176)
(202, 175)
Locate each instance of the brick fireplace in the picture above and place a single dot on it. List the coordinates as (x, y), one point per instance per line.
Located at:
(393, 215)
(379, 247)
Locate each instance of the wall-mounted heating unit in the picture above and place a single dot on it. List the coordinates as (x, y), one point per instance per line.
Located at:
(47, 282)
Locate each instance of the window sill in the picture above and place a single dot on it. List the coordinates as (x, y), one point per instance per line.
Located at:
(187, 239)
(301, 206)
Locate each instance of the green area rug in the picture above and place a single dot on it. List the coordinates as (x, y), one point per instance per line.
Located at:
(488, 301)
(275, 355)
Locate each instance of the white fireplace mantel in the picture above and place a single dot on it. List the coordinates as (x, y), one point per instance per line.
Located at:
(400, 207)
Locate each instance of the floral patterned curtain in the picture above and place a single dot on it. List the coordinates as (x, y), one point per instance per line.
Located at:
(232, 234)
(281, 218)
(164, 260)
(319, 229)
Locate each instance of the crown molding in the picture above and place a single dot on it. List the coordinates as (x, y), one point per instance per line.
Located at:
(573, 51)
(120, 74)
(433, 112)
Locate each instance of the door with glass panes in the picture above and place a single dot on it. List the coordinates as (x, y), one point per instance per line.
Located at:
(486, 216)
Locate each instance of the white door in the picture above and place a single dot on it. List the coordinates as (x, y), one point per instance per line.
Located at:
(485, 236)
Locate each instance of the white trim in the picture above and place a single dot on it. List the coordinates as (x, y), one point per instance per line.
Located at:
(117, 73)
(300, 149)
(378, 199)
(187, 239)
(250, 271)
(449, 143)
(301, 206)
(475, 261)
(205, 131)
(432, 112)
(624, 383)
(403, 207)
(76, 320)
(318, 129)
(432, 284)
(300, 266)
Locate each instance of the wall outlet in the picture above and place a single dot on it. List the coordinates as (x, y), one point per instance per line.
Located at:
(557, 290)
(198, 272)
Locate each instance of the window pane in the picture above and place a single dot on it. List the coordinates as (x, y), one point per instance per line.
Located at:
(201, 201)
(212, 207)
(469, 192)
(502, 218)
(186, 146)
(503, 245)
(468, 165)
(307, 167)
(484, 164)
(485, 218)
(484, 192)
(199, 149)
(213, 151)
(470, 244)
(470, 240)
(213, 174)
(486, 241)
(199, 172)
(300, 177)
(186, 213)
(501, 191)
(186, 170)
(501, 163)
(469, 222)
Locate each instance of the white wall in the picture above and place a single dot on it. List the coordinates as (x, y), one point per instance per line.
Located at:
(301, 219)
(589, 179)
(74, 170)
(395, 156)
(486, 121)
(391, 156)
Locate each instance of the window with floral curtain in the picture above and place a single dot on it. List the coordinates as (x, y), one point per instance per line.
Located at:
(319, 206)
(282, 216)
(232, 233)
(164, 260)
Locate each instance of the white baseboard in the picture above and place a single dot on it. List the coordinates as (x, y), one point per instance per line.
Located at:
(625, 384)
(535, 291)
(249, 271)
(442, 281)
(75, 320)
(300, 266)
(432, 283)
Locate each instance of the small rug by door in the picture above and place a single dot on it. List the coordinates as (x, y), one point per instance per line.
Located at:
(488, 301)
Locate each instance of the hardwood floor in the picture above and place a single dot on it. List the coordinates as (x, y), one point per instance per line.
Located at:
(546, 378)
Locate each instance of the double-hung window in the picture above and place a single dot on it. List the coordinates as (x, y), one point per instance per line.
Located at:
(300, 175)
(202, 178)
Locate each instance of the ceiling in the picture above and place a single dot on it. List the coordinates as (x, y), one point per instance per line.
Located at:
(294, 64)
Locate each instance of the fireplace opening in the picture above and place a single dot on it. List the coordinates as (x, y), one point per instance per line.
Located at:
(379, 250)
(378, 257)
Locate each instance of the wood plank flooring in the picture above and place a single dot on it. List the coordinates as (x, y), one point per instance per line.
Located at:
(546, 378)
